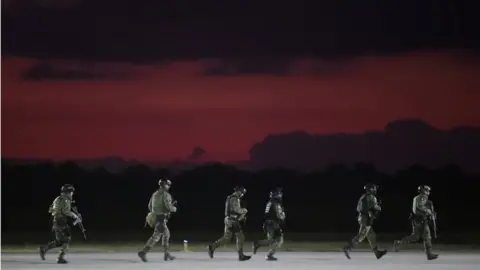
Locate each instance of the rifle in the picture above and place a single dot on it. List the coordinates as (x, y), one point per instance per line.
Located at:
(243, 218)
(174, 203)
(433, 219)
(79, 222)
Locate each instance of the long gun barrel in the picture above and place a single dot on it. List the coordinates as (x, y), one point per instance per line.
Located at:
(79, 223)
(433, 219)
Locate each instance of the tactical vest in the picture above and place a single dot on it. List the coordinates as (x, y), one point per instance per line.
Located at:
(415, 210)
(228, 208)
(362, 205)
(270, 212)
(54, 207)
(158, 202)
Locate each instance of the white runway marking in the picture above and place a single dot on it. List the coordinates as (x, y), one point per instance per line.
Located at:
(228, 260)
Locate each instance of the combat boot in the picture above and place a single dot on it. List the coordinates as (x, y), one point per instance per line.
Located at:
(270, 257)
(379, 253)
(346, 251)
(142, 254)
(166, 255)
(211, 250)
(430, 255)
(428, 250)
(255, 247)
(243, 257)
(396, 245)
(42, 251)
(61, 259)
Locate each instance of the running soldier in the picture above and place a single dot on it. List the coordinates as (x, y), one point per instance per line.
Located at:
(422, 213)
(234, 214)
(368, 209)
(61, 210)
(160, 207)
(274, 219)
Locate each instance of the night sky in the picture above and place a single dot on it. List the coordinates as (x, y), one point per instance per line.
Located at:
(151, 82)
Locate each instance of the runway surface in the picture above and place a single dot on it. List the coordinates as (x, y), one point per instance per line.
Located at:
(228, 260)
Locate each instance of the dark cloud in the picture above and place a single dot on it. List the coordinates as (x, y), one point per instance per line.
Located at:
(197, 153)
(152, 31)
(402, 143)
(271, 66)
(54, 71)
(250, 66)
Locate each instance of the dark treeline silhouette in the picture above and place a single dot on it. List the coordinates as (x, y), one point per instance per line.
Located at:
(402, 143)
(320, 202)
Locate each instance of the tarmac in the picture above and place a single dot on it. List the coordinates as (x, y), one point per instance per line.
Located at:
(228, 260)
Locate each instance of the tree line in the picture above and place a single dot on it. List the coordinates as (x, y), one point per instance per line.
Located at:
(321, 201)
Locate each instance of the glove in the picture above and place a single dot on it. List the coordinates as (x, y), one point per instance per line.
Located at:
(78, 219)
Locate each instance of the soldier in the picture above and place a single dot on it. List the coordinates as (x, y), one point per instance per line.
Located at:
(61, 210)
(368, 209)
(422, 212)
(160, 207)
(234, 214)
(274, 219)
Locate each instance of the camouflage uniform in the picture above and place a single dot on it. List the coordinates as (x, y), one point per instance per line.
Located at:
(422, 212)
(234, 214)
(61, 210)
(274, 219)
(160, 205)
(368, 209)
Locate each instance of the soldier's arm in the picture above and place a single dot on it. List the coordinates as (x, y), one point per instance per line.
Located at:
(167, 199)
(279, 211)
(62, 206)
(150, 205)
(235, 204)
(373, 203)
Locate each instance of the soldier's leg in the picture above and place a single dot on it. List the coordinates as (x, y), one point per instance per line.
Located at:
(267, 227)
(240, 240)
(57, 226)
(267, 241)
(166, 244)
(415, 236)
(227, 235)
(361, 235)
(53, 244)
(363, 231)
(427, 242)
(63, 236)
(277, 236)
(225, 239)
(153, 240)
(372, 240)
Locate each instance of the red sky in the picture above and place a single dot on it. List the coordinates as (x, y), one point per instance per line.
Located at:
(164, 111)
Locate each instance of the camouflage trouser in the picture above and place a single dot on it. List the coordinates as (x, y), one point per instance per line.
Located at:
(274, 236)
(232, 227)
(420, 231)
(160, 232)
(365, 232)
(62, 235)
